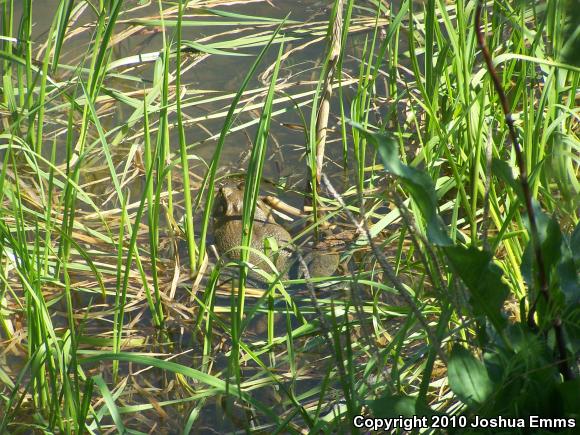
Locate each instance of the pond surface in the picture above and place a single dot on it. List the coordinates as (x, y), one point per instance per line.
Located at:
(218, 75)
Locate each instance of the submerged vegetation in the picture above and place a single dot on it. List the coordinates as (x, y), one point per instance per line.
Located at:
(432, 144)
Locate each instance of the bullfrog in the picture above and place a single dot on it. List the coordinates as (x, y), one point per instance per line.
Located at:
(227, 230)
(320, 261)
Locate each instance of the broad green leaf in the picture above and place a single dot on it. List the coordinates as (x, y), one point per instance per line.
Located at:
(571, 322)
(417, 182)
(396, 405)
(468, 377)
(483, 280)
(569, 394)
(550, 241)
(571, 26)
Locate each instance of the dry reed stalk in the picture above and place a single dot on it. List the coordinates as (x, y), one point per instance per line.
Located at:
(335, 47)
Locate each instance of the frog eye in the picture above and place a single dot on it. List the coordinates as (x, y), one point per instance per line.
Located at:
(220, 205)
(219, 208)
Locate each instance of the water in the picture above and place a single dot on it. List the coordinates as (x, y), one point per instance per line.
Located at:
(216, 74)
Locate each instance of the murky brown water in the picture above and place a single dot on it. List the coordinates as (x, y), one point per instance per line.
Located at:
(219, 74)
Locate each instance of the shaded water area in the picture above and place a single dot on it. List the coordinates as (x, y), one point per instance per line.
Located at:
(207, 86)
